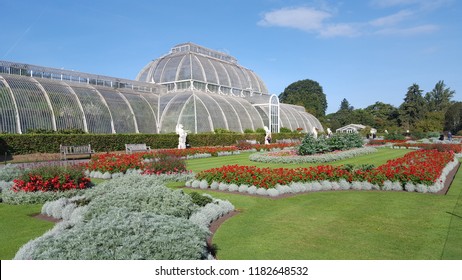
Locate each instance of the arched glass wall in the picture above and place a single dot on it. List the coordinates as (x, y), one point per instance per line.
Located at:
(8, 110)
(202, 112)
(33, 107)
(97, 114)
(66, 108)
(34, 103)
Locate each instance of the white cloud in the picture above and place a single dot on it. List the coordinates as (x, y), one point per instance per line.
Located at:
(410, 31)
(342, 29)
(392, 19)
(309, 20)
(323, 22)
(303, 18)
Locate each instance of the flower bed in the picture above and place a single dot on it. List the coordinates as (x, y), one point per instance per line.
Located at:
(155, 162)
(380, 142)
(291, 156)
(51, 178)
(457, 148)
(423, 168)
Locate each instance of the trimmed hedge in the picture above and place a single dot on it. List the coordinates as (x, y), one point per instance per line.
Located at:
(20, 144)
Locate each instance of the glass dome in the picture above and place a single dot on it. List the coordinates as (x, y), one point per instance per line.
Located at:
(216, 70)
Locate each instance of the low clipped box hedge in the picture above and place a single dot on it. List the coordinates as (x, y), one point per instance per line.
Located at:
(20, 144)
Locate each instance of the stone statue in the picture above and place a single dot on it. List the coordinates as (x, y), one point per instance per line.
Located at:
(182, 136)
(329, 132)
(314, 132)
(267, 136)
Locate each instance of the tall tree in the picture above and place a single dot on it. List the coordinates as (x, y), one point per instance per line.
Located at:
(413, 108)
(453, 118)
(385, 115)
(343, 116)
(345, 105)
(306, 93)
(439, 99)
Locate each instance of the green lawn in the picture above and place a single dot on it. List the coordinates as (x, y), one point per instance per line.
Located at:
(17, 227)
(322, 225)
(378, 158)
(342, 224)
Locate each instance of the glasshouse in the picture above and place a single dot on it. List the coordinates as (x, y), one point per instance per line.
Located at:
(200, 88)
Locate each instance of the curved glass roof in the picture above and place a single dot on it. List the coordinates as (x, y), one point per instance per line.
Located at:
(36, 103)
(198, 87)
(191, 62)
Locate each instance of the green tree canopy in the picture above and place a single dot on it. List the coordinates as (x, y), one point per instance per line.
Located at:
(413, 108)
(385, 115)
(306, 93)
(345, 105)
(439, 99)
(453, 118)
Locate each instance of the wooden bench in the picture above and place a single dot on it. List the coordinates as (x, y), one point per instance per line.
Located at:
(73, 151)
(131, 148)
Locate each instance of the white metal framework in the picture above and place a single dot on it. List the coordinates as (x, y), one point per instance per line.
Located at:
(200, 88)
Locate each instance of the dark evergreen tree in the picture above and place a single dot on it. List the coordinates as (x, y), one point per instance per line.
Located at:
(413, 108)
(306, 93)
(453, 118)
(345, 105)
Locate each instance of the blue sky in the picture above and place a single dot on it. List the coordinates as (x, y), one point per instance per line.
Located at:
(364, 51)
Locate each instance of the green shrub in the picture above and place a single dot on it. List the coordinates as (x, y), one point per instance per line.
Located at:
(20, 144)
(285, 130)
(311, 145)
(418, 135)
(433, 134)
(62, 131)
(338, 141)
(394, 136)
(222, 130)
(199, 199)
(260, 130)
(248, 130)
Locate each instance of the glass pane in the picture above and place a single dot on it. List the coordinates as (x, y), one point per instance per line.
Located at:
(66, 109)
(143, 114)
(96, 112)
(34, 111)
(7, 111)
(214, 109)
(121, 114)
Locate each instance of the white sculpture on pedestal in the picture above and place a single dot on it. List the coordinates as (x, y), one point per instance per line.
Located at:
(268, 135)
(182, 136)
(329, 132)
(314, 132)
